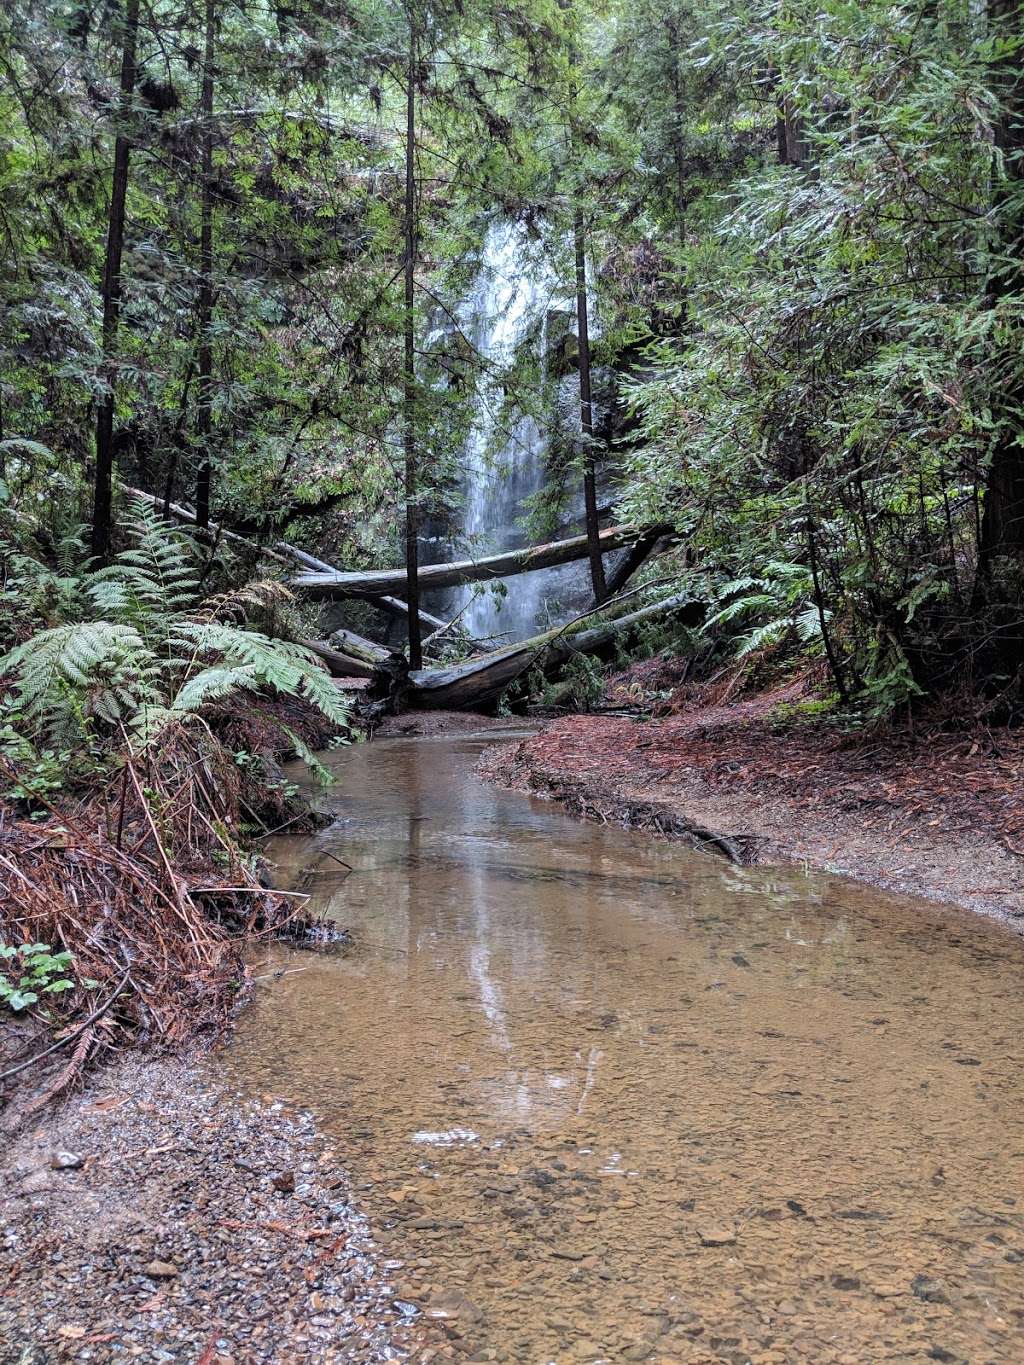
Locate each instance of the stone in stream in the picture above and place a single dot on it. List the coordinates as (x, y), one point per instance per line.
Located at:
(161, 1270)
(711, 1236)
(928, 1289)
(66, 1161)
(845, 1282)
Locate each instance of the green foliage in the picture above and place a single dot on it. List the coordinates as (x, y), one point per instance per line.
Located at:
(151, 653)
(34, 970)
(804, 229)
(849, 362)
(780, 602)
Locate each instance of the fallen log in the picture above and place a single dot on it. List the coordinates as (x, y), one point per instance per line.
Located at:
(480, 682)
(647, 546)
(356, 647)
(339, 664)
(393, 605)
(281, 553)
(375, 582)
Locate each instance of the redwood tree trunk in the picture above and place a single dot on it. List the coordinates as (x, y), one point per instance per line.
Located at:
(1002, 523)
(587, 415)
(411, 471)
(111, 295)
(204, 415)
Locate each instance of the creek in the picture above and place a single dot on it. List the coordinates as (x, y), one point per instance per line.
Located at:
(604, 1098)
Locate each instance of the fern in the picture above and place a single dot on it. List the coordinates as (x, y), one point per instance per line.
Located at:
(151, 654)
(96, 667)
(156, 576)
(278, 664)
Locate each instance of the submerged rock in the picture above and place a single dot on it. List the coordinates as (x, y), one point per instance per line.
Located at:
(66, 1161)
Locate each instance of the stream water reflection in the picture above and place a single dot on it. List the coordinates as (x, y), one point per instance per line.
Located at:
(610, 1099)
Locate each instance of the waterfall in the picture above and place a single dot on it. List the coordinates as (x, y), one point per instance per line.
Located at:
(503, 460)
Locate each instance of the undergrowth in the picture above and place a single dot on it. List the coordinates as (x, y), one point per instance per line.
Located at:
(142, 721)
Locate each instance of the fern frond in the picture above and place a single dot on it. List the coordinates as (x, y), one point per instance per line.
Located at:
(278, 664)
(97, 658)
(235, 605)
(212, 684)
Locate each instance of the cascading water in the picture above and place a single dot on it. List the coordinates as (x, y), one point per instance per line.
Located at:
(503, 460)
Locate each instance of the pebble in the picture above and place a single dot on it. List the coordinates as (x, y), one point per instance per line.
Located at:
(928, 1290)
(66, 1161)
(716, 1236)
(161, 1270)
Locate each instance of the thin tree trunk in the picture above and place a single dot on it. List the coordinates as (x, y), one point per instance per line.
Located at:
(1002, 520)
(204, 416)
(411, 472)
(680, 159)
(780, 128)
(111, 295)
(819, 602)
(587, 414)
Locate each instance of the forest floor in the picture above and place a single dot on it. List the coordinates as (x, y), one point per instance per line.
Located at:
(934, 812)
(149, 1217)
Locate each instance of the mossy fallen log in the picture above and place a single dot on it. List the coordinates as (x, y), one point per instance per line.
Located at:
(478, 683)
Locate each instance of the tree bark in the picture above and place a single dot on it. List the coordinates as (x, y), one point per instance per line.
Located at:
(339, 664)
(587, 414)
(636, 557)
(1002, 522)
(481, 681)
(204, 416)
(394, 606)
(111, 294)
(373, 583)
(412, 589)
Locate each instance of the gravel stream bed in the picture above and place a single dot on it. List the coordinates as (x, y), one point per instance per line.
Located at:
(146, 1219)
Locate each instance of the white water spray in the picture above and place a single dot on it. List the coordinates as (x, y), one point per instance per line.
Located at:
(503, 459)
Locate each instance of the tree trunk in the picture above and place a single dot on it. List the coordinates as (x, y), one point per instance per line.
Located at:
(394, 606)
(339, 664)
(373, 583)
(587, 414)
(680, 158)
(636, 557)
(1002, 522)
(111, 294)
(204, 417)
(481, 681)
(412, 590)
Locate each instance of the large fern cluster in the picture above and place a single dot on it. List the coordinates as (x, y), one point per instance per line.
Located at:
(147, 652)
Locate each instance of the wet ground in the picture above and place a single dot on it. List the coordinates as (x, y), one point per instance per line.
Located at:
(608, 1099)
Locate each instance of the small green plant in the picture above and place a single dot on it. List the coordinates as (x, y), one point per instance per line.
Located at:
(35, 970)
(786, 713)
(30, 773)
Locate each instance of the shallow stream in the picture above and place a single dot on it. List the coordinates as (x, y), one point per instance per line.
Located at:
(610, 1099)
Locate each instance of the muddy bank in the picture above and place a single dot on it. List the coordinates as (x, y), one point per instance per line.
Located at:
(151, 1219)
(940, 816)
